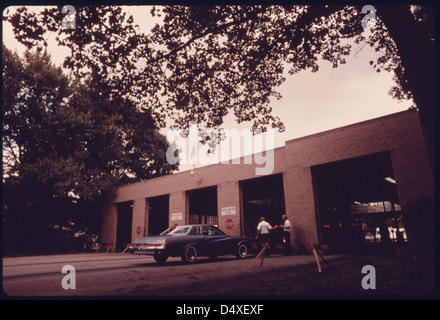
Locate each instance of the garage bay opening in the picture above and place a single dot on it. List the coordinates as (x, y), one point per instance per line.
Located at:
(125, 218)
(263, 197)
(357, 204)
(202, 206)
(158, 212)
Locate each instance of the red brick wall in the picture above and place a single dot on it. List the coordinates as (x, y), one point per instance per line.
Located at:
(400, 134)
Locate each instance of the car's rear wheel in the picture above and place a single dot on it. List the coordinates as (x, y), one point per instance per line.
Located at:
(242, 251)
(160, 257)
(189, 254)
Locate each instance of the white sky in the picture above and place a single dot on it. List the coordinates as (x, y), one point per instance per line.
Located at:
(312, 102)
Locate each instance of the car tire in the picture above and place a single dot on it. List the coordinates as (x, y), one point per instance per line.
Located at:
(242, 251)
(160, 257)
(189, 254)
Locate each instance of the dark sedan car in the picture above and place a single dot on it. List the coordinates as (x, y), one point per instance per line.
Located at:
(190, 242)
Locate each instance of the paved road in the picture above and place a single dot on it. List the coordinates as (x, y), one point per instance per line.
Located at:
(115, 274)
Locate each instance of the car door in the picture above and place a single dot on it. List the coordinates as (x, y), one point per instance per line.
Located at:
(215, 241)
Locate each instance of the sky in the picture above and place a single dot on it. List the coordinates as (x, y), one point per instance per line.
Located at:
(311, 102)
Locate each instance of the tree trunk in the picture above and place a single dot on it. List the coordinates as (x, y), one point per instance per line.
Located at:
(415, 44)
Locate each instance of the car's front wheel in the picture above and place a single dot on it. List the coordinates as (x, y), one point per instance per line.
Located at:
(189, 254)
(242, 251)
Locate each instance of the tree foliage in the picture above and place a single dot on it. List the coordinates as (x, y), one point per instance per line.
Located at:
(66, 143)
(204, 62)
(64, 137)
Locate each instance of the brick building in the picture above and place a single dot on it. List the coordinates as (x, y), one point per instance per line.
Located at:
(360, 175)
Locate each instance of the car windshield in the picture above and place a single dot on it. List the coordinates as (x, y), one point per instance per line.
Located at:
(178, 230)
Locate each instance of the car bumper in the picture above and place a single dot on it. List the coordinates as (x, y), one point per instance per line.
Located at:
(142, 251)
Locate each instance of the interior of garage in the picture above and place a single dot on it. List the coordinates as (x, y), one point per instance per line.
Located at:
(124, 226)
(202, 206)
(158, 214)
(263, 197)
(357, 203)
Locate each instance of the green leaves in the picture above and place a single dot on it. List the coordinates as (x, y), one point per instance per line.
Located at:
(62, 136)
(205, 62)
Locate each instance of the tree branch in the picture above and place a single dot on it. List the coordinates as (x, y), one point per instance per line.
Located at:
(213, 30)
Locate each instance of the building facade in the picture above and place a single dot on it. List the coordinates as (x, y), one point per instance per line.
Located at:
(357, 176)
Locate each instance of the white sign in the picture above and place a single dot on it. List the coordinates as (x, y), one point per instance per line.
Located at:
(228, 211)
(176, 216)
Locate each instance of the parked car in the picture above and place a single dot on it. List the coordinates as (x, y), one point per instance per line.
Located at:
(190, 242)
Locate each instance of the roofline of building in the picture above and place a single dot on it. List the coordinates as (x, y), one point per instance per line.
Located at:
(287, 142)
(354, 125)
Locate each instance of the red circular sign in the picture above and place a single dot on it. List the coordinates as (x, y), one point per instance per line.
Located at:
(229, 224)
(138, 230)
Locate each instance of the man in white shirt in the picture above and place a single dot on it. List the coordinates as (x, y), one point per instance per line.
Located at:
(263, 235)
(286, 235)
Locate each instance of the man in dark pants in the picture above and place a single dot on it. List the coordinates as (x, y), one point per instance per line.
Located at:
(263, 235)
(286, 236)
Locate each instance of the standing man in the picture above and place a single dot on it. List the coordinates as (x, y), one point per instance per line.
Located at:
(286, 236)
(263, 235)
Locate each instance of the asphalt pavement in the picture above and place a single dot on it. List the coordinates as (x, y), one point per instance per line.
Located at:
(277, 277)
